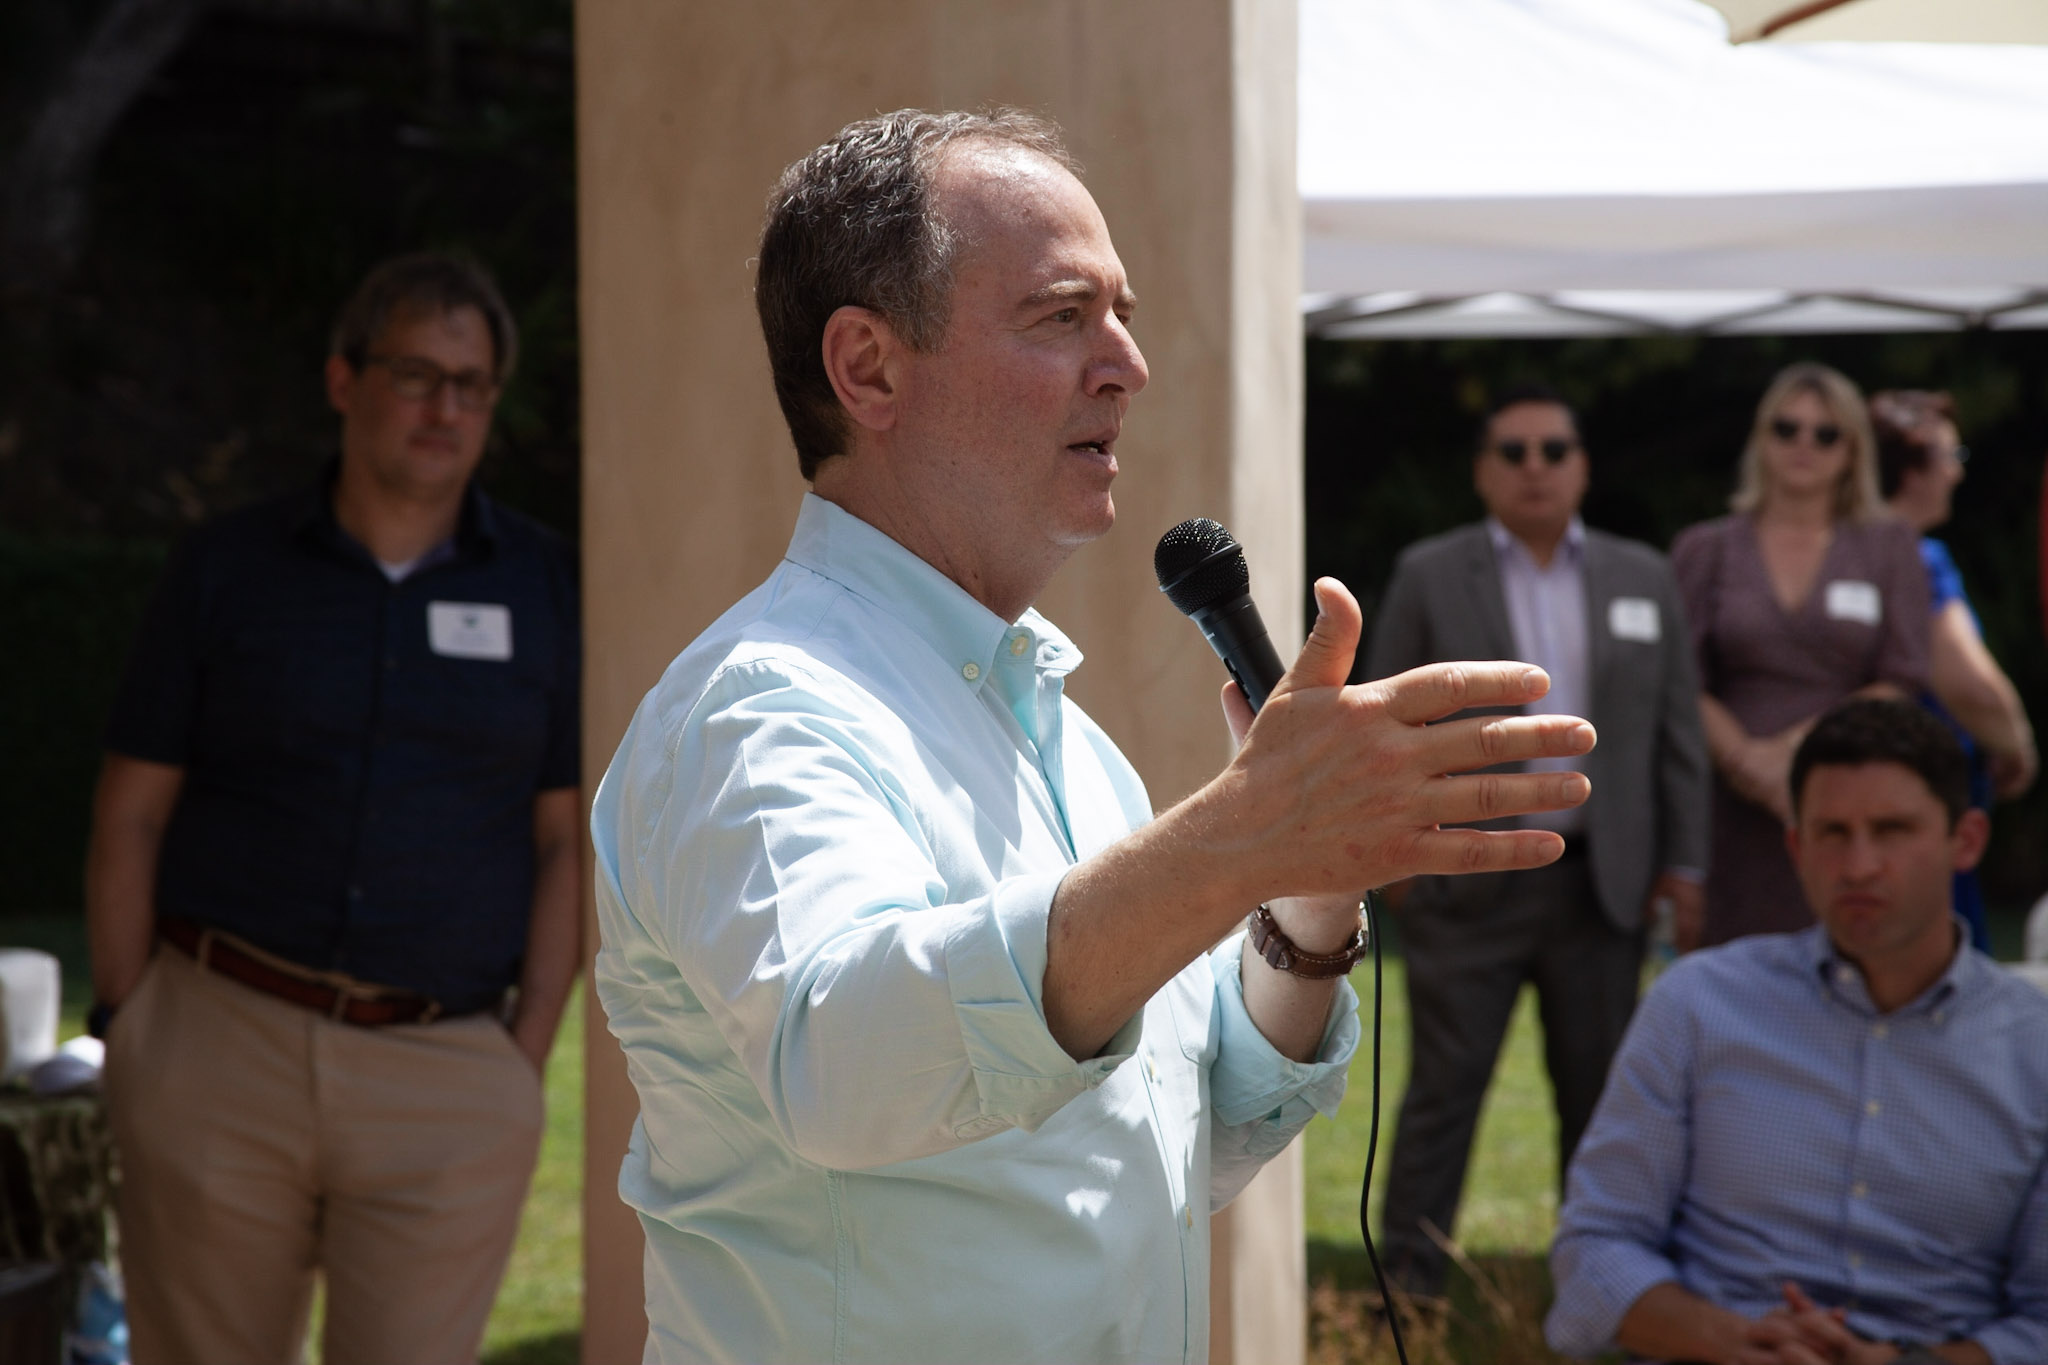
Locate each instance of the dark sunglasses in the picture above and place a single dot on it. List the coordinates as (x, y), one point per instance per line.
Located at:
(1517, 452)
(1825, 434)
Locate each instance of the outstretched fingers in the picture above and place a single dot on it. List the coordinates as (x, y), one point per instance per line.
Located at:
(1434, 691)
(1490, 796)
(1449, 852)
(1482, 741)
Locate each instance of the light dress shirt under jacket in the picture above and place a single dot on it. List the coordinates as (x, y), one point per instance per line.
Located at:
(1765, 1123)
(1547, 614)
(827, 848)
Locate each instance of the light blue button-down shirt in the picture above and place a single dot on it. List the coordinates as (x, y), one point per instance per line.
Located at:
(1765, 1123)
(826, 850)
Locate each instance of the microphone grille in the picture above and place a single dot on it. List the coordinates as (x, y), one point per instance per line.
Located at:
(1198, 564)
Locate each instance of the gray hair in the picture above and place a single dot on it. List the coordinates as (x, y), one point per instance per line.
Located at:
(433, 281)
(854, 223)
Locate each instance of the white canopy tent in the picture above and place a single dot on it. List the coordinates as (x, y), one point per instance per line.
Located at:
(1597, 167)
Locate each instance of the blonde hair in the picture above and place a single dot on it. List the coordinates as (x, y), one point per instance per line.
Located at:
(1856, 495)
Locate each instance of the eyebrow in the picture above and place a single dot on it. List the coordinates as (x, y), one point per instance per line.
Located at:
(1074, 291)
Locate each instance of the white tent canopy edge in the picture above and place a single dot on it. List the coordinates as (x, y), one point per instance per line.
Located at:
(1597, 167)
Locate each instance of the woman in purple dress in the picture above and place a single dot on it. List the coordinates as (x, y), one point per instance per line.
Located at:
(1808, 593)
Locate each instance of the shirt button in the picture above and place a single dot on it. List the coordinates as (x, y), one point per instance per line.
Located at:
(1859, 1190)
(1018, 644)
(1879, 1032)
(1855, 1261)
(390, 664)
(970, 671)
(1871, 1108)
(355, 893)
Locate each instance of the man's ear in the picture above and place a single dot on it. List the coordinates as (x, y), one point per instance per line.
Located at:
(1972, 833)
(861, 353)
(341, 384)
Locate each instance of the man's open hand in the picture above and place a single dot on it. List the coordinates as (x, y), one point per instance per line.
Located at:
(1340, 788)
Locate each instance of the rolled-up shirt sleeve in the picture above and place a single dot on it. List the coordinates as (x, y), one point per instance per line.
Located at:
(881, 1014)
(1626, 1181)
(1259, 1097)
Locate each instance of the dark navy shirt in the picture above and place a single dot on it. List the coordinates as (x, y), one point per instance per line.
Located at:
(361, 757)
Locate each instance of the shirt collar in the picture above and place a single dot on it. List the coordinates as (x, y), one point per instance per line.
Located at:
(476, 528)
(836, 544)
(1505, 543)
(1964, 976)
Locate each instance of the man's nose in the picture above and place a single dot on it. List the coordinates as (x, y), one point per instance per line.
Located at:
(442, 402)
(1118, 363)
(1864, 860)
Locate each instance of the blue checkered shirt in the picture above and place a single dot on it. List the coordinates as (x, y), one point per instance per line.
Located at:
(1765, 1123)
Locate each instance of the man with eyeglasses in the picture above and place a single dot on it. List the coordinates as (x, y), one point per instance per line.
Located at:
(1601, 615)
(333, 884)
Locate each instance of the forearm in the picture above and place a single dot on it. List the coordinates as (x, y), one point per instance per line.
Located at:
(1124, 922)
(553, 940)
(1726, 736)
(1671, 1323)
(131, 809)
(1293, 1012)
(1974, 688)
(120, 909)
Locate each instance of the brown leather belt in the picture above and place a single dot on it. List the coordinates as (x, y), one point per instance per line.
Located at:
(332, 994)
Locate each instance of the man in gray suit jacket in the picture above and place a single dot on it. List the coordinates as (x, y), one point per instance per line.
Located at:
(1601, 615)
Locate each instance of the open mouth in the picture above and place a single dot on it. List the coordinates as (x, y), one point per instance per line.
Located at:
(1093, 447)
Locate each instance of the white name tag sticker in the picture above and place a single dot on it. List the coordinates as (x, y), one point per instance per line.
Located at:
(1634, 618)
(1852, 599)
(470, 630)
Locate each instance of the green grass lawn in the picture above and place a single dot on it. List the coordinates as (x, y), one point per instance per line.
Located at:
(1505, 1220)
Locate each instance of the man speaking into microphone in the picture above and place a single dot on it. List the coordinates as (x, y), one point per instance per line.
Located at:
(935, 1061)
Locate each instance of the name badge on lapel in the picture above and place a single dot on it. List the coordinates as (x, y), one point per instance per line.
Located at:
(470, 630)
(1852, 599)
(1634, 618)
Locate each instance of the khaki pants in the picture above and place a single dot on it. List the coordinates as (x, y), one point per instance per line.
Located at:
(258, 1141)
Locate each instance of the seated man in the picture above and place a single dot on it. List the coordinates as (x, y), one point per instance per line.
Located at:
(1828, 1146)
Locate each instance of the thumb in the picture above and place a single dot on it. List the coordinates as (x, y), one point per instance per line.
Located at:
(1326, 657)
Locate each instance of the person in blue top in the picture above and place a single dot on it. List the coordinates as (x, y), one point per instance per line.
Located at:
(934, 1057)
(1920, 461)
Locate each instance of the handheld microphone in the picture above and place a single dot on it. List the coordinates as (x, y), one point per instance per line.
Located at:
(1202, 572)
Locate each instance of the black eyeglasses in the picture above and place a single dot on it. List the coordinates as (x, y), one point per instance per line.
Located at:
(1517, 451)
(1825, 434)
(417, 378)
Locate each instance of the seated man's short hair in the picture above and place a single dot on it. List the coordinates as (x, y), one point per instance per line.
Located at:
(1879, 730)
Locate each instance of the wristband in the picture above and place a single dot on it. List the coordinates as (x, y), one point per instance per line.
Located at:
(1282, 954)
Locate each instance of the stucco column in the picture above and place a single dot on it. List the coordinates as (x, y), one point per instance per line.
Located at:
(1182, 112)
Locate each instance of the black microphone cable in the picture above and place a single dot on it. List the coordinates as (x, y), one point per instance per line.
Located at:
(1203, 573)
(1372, 1137)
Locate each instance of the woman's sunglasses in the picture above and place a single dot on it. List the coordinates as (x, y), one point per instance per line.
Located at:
(1517, 452)
(1825, 434)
